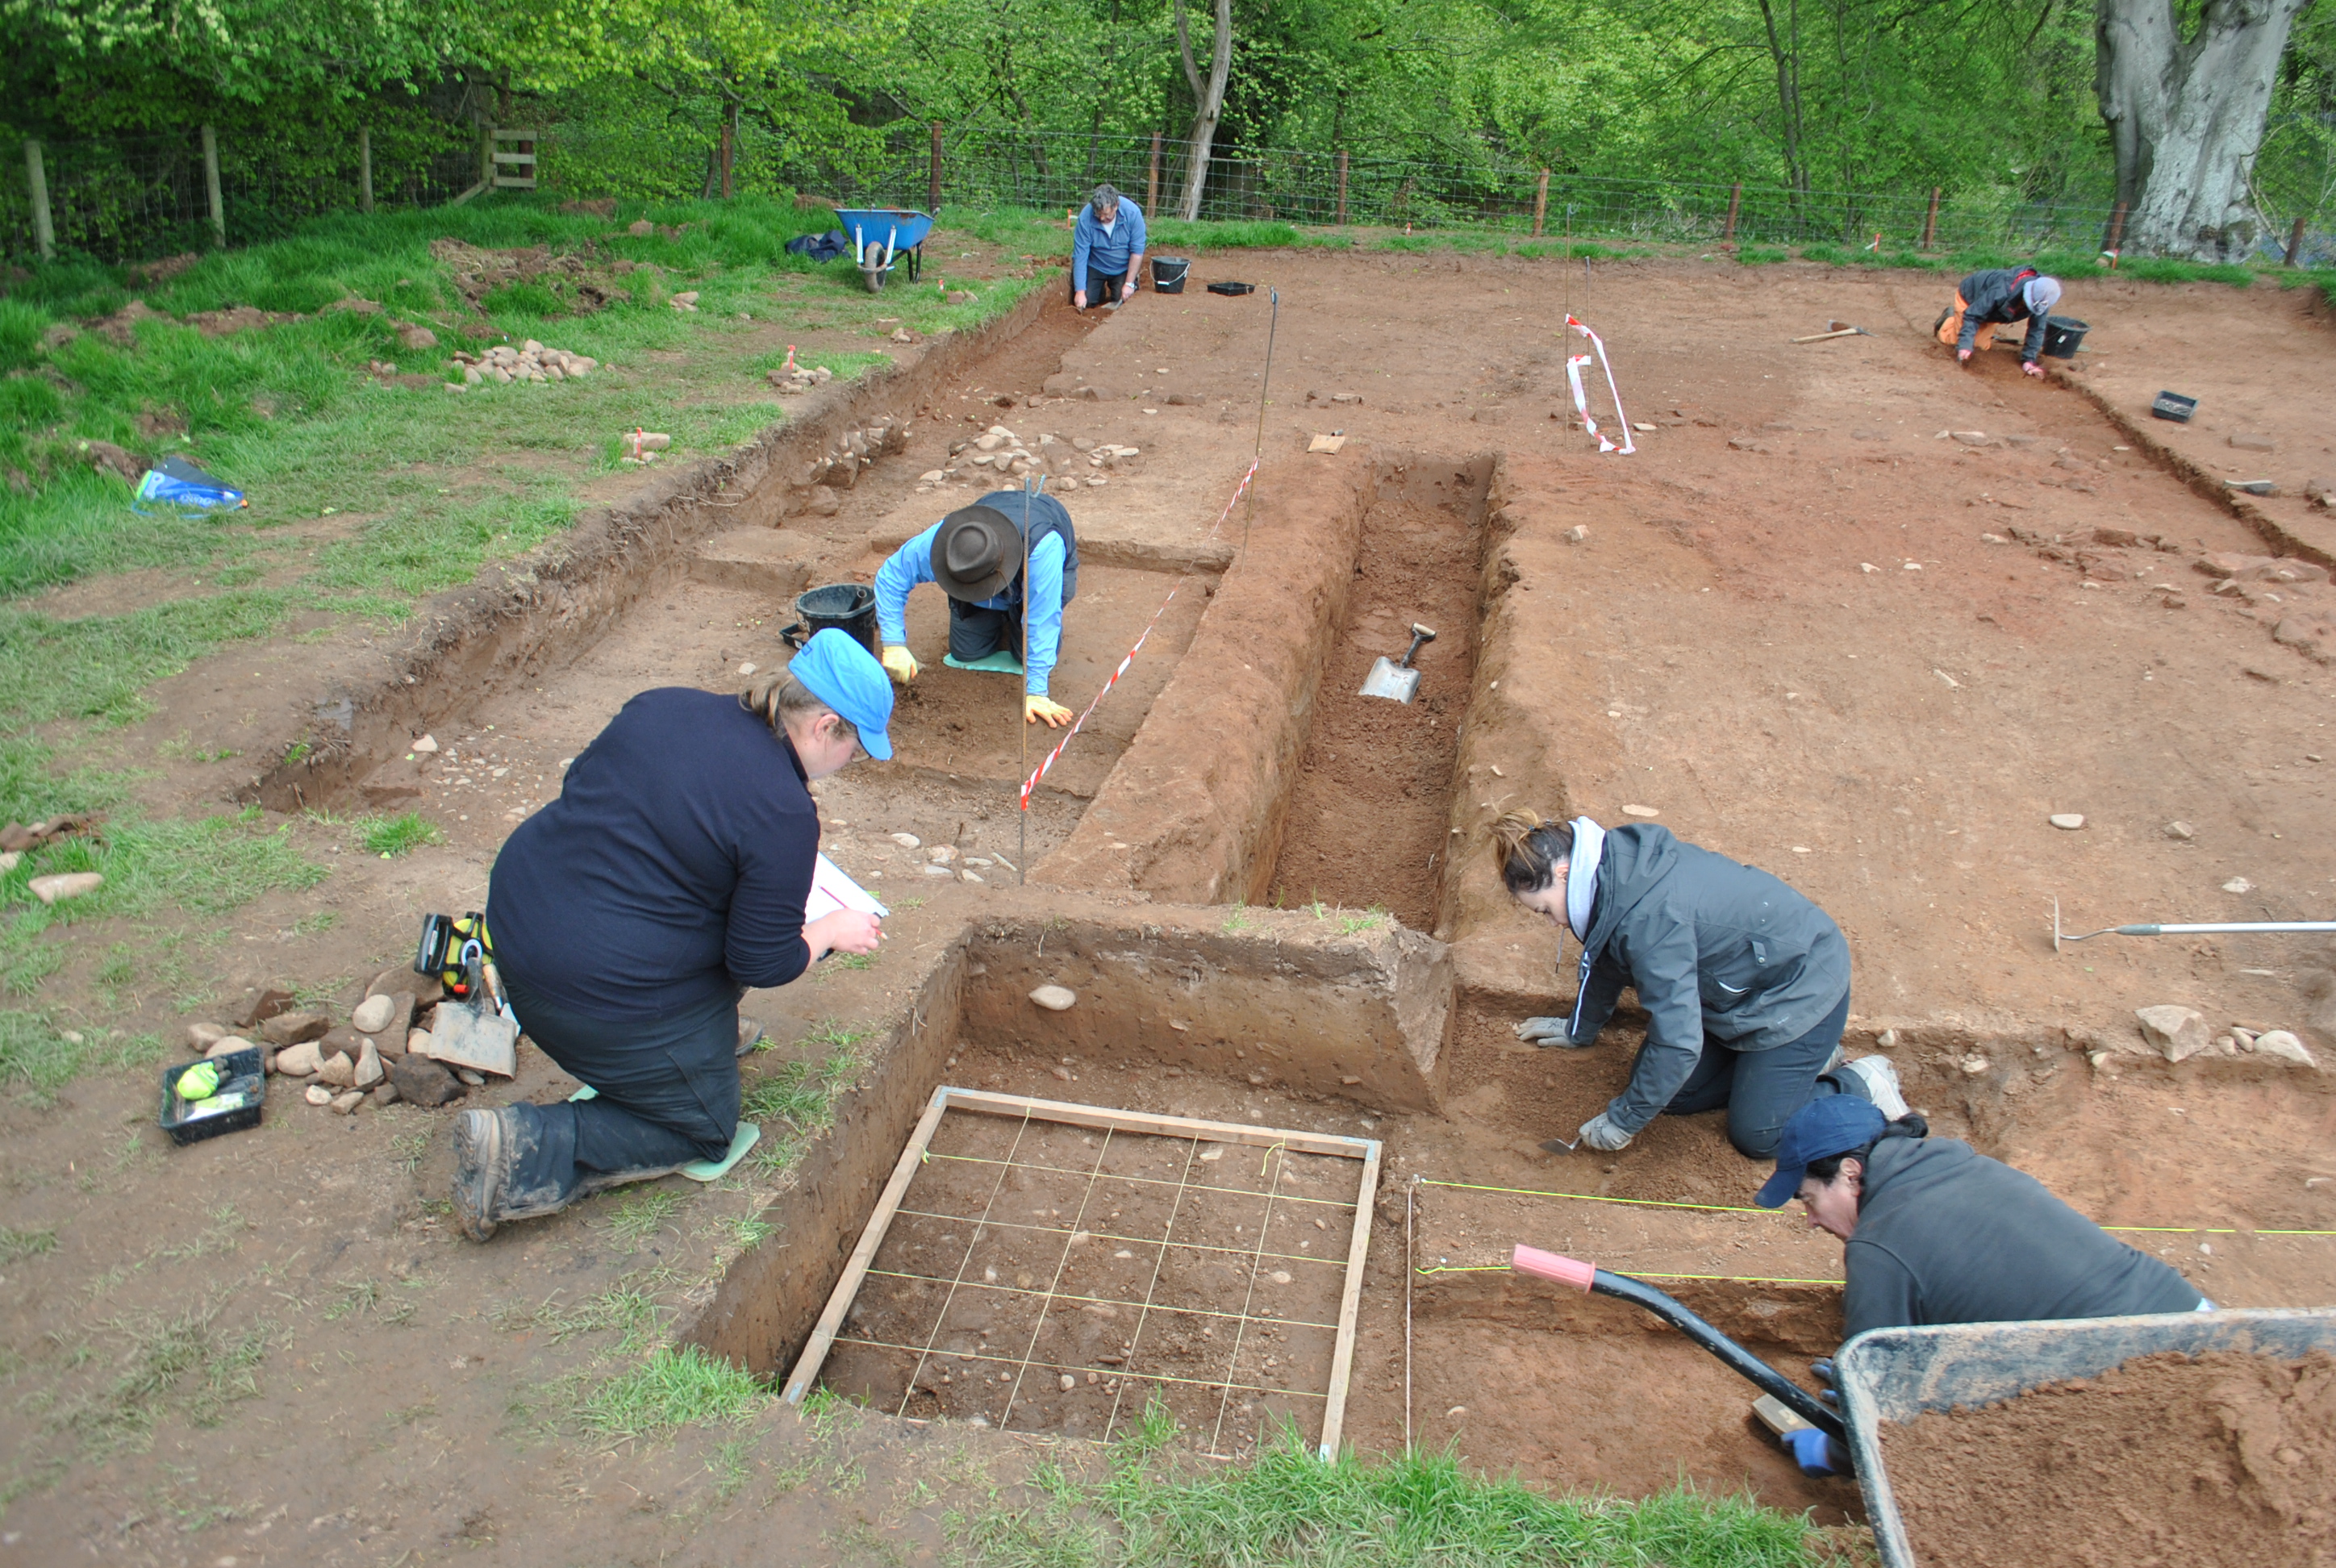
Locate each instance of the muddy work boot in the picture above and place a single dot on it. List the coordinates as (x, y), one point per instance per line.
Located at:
(1875, 1077)
(482, 1167)
(750, 1034)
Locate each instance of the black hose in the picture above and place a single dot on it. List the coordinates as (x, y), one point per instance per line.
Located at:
(1753, 1369)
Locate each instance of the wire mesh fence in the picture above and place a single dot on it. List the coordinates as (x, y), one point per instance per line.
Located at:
(131, 198)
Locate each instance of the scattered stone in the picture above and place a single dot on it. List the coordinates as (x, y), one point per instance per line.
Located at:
(62, 885)
(291, 1028)
(1641, 812)
(300, 1061)
(2247, 441)
(203, 1037)
(2286, 1045)
(1055, 998)
(2181, 830)
(1970, 437)
(685, 300)
(317, 1095)
(384, 1093)
(417, 1041)
(931, 869)
(373, 1015)
(973, 876)
(10, 860)
(369, 1070)
(474, 1079)
(422, 1081)
(425, 745)
(1067, 1382)
(2177, 1033)
(1576, 534)
(2068, 820)
(1973, 1066)
(262, 1006)
(417, 337)
(346, 1102)
(2238, 885)
(227, 1045)
(338, 1070)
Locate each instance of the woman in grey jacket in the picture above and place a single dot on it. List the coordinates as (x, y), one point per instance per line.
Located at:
(1745, 982)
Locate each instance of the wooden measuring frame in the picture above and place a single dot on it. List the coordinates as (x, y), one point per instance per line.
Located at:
(1103, 1118)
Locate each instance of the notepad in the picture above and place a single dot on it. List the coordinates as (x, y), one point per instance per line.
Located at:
(831, 891)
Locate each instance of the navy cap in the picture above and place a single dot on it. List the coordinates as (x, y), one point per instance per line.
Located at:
(837, 668)
(1819, 1130)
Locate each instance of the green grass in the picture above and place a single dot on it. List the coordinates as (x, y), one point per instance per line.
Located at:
(672, 1388)
(95, 668)
(17, 1245)
(1419, 1511)
(43, 1057)
(642, 1214)
(390, 837)
(194, 1365)
(801, 1095)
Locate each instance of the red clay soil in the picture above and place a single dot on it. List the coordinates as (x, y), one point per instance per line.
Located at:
(2224, 1460)
(1370, 813)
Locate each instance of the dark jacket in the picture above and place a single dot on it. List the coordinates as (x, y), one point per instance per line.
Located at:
(1945, 1235)
(672, 870)
(1714, 949)
(1994, 296)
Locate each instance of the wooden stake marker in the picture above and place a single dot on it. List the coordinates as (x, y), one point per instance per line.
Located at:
(1103, 1118)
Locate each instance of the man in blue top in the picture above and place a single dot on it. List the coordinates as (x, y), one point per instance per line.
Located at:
(1106, 249)
(975, 556)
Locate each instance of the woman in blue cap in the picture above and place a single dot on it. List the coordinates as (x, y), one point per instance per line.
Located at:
(631, 915)
(1933, 1231)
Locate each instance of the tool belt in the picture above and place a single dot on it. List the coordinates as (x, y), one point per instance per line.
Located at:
(456, 949)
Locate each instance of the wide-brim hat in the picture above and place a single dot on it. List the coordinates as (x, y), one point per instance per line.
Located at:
(976, 552)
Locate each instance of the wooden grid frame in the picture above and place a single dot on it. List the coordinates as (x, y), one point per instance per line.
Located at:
(1026, 1107)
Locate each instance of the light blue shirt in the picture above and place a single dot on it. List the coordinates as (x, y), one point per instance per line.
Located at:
(1108, 254)
(1042, 627)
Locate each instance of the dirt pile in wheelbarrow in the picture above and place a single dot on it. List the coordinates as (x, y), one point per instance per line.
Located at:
(2224, 1460)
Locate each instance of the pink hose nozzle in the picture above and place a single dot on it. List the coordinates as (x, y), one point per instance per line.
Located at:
(1554, 1266)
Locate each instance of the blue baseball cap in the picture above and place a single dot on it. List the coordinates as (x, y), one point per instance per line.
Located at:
(1819, 1130)
(837, 668)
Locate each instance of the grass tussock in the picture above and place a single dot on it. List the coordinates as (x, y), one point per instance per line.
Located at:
(1288, 1509)
(672, 1388)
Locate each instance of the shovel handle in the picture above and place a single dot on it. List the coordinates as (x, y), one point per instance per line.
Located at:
(1419, 634)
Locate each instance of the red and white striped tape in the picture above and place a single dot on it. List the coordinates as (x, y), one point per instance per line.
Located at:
(1080, 723)
(1574, 365)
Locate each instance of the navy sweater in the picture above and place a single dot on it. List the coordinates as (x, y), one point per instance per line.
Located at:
(672, 870)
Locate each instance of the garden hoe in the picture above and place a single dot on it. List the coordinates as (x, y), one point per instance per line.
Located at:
(1397, 681)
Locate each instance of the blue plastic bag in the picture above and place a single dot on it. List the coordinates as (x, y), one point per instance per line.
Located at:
(821, 246)
(176, 482)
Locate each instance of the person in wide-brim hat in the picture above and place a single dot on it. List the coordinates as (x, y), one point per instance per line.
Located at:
(1001, 609)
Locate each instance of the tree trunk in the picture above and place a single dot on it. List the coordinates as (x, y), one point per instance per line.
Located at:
(1211, 99)
(2185, 117)
(1786, 54)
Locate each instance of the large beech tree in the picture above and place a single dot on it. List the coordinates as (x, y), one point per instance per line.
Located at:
(2186, 110)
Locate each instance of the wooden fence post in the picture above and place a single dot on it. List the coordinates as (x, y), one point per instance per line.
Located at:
(2117, 228)
(1930, 222)
(212, 185)
(2295, 241)
(45, 234)
(1152, 184)
(1342, 188)
(1541, 202)
(933, 172)
(1734, 201)
(364, 169)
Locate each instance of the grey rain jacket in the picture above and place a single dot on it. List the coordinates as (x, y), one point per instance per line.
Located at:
(1716, 949)
(1947, 1235)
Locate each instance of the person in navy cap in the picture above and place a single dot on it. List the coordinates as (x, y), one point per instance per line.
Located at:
(630, 916)
(1933, 1231)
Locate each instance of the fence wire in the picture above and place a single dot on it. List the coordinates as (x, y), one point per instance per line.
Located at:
(131, 198)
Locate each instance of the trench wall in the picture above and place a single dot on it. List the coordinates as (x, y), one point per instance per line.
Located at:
(518, 617)
(1285, 1000)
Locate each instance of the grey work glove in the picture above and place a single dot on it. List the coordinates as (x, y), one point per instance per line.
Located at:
(1545, 1033)
(1602, 1132)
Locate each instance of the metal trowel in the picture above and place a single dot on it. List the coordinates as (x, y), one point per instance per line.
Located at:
(1396, 679)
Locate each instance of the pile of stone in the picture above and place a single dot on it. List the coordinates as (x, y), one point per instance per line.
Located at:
(2178, 1033)
(792, 378)
(841, 466)
(383, 1053)
(530, 361)
(999, 452)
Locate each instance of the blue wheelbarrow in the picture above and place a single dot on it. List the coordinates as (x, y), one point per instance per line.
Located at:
(881, 237)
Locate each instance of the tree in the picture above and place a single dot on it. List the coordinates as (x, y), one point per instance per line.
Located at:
(1210, 102)
(2185, 116)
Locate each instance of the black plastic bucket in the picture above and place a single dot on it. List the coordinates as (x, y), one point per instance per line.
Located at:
(1168, 273)
(2062, 336)
(849, 607)
(2173, 405)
